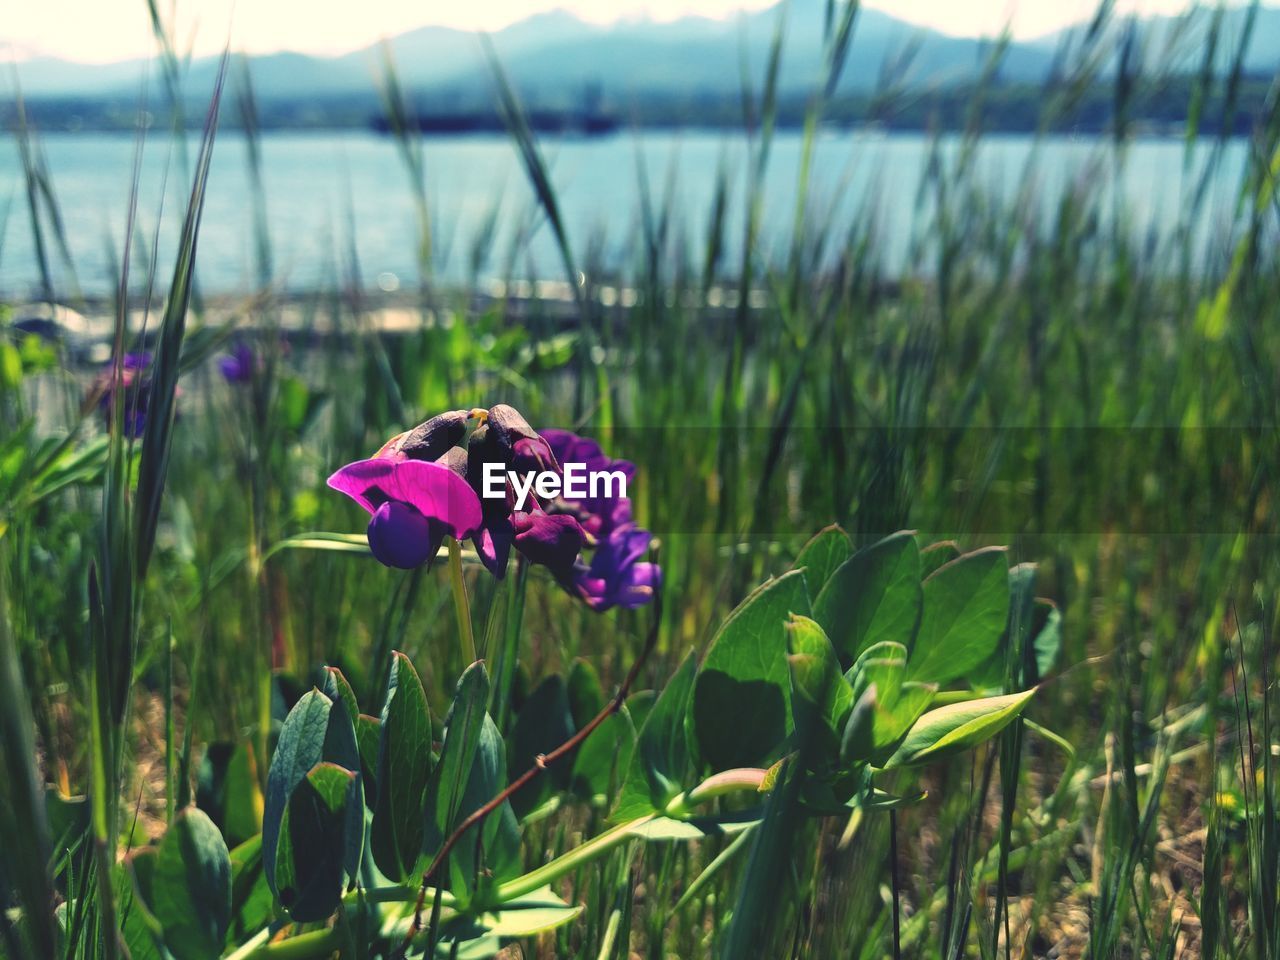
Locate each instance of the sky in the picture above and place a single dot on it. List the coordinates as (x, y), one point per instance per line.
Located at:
(100, 31)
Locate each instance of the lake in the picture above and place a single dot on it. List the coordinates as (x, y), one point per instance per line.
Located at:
(336, 199)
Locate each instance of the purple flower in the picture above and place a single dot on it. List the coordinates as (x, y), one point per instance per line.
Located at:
(240, 365)
(414, 504)
(428, 482)
(136, 361)
(599, 515)
(134, 385)
(555, 541)
(616, 576)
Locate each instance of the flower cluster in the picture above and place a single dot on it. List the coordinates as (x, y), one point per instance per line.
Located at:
(616, 574)
(427, 483)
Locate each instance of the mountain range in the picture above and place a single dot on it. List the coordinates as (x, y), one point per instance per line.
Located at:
(556, 55)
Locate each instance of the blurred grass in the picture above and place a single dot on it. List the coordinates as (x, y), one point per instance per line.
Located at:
(1038, 375)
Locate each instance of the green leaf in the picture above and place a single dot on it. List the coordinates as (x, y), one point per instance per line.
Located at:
(139, 928)
(883, 664)
(404, 769)
(312, 733)
(995, 671)
(604, 757)
(476, 868)
(313, 843)
(252, 903)
(191, 890)
(858, 740)
(530, 915)
(899, 702)
(472, 769)
(957, 727)
(462, 735)
(544, 722)
(874, 596)
(936, 555)
(368, 740)
(694, 828)
(661, 758)
(821, 698)
(742, 698)
(483, 935)
(339, 690)
(242, 806)
(299, 748)
(822, 556)
(966, 604)
(1047, 630)
(893, 721)
(586, 695)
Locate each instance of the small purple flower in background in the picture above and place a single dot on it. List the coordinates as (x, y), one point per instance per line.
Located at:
(413, 504)
(240, 365)
(133, 383)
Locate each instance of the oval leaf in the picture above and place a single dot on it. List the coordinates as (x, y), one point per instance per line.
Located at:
(742, 698)
(875, 596)
(404, 769)
(191, 889)
(313, 843)
(957, 727)
(822, 556)
(966, 604)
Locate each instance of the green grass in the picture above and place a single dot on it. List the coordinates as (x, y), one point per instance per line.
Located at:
(1039, 376)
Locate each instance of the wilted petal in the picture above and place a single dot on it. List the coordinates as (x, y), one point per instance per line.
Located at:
(391, 449)
(551, 540)
(508, 425)
(400, 536)
(429, 440)
(533, 453)
(455, 458)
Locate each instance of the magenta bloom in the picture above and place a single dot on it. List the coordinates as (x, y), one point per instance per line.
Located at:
(413, 504)
(616, 576)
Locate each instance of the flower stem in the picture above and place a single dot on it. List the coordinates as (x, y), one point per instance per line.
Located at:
(504, 674)
(460, 602)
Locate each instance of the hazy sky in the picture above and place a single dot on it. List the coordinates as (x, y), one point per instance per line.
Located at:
(104, 30)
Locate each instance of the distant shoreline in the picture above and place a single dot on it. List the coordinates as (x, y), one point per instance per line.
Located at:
(1013, 108)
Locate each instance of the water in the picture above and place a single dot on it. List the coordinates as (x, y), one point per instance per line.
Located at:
(333, 194)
